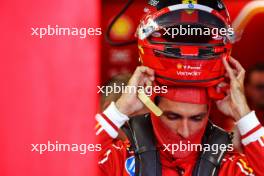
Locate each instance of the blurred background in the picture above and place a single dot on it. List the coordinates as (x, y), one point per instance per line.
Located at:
(48, 86)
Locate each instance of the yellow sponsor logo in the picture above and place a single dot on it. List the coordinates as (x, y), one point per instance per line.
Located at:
(249, 169)
(179, 66)
(141, 49)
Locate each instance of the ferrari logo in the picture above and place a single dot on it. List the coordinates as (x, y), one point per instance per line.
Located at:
(189, 1)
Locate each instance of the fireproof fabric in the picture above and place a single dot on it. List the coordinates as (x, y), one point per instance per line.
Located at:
(194, 95)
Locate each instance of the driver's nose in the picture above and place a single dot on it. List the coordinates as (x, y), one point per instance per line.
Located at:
(183, 129)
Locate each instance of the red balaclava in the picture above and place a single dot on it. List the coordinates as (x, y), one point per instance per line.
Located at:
(166, 136)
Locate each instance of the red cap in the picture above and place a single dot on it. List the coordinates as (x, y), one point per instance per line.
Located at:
(194, 95)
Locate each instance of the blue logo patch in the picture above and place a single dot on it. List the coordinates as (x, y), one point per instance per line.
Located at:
(130, 165)
(191, 6)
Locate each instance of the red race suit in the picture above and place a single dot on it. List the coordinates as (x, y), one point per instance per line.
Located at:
(116, 160)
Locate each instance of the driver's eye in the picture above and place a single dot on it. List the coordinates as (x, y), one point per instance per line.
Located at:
(172, 116)
(196, 118)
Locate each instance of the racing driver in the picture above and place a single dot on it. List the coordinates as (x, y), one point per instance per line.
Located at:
(156, 144)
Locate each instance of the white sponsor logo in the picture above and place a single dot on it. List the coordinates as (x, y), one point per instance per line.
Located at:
(188, 70)
(186, 73)
(189, 67)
